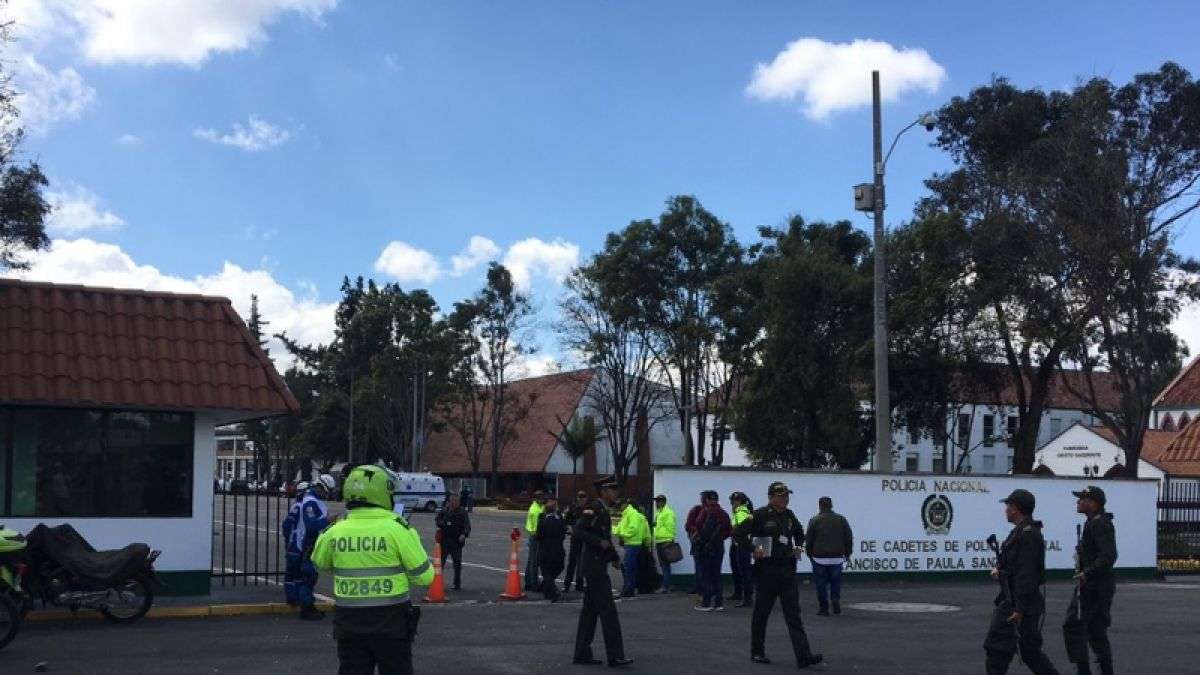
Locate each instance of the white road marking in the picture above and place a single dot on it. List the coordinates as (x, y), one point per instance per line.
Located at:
(272, 582)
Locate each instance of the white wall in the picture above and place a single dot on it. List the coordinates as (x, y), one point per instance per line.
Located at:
(186, 543)
(1080, 450)
(885, 512)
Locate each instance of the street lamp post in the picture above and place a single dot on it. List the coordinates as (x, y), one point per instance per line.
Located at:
(870, 197)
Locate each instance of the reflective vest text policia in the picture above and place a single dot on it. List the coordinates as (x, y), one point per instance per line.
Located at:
(373, 554)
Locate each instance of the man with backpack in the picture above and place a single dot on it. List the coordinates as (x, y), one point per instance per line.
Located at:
(712, 528)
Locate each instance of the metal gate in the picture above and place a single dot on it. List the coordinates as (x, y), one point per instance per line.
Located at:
(1179, 525)
(248, 548)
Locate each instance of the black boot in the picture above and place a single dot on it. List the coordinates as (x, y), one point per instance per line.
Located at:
(311, 613)
(823, 611)
(837, 606)
(1106, 665)
(811, 660)
(747, 600)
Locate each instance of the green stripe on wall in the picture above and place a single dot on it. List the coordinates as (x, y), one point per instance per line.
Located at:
(184, 582)
(686, 581)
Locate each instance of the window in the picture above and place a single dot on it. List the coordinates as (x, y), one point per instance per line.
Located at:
(989, 430)
(964, 431)
(939, 464)
(1168, 424)
(1055, 426)
(912, 462)
(1010, 463)
(93, 463)
(989, 464)
(1014, 423)
(1183, 420)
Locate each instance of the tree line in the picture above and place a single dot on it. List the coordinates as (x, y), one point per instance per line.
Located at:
(1047, 248)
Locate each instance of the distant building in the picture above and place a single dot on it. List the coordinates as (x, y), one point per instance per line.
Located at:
(535, 459)
(1179, 402)
(1093, 452)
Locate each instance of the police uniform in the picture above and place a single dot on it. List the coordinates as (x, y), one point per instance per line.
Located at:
(1097, 552)
(374, 555)
(594, 531)
(1022, 567)
(775, 575)
(572, 517)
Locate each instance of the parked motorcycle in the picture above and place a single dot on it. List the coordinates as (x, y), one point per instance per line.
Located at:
(65, 571)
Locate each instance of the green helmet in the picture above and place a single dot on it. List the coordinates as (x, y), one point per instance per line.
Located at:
(369, 485)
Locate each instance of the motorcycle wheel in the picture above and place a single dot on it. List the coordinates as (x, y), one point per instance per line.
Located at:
(136, 608)
(10, 620)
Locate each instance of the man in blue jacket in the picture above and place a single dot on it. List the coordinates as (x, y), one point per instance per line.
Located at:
(305, 520)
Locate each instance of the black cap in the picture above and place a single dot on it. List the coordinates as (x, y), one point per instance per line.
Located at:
(1091, 492)
(778, 488)
(1022, 499)
(660, 498)
(738, 495)
(606, 482)
(710, 494)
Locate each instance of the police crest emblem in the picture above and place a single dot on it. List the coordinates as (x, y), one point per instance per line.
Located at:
(937, 514)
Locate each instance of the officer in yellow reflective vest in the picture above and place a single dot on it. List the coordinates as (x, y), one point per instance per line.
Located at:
(374, 555)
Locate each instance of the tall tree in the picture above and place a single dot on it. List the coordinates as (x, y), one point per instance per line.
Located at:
(483, 408)
(259, 432)
(1130, 165)
(23, 208)
(800, 405)
(662, 274)
(623, 393)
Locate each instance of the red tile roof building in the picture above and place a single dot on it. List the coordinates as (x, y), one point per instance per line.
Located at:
(63, 345)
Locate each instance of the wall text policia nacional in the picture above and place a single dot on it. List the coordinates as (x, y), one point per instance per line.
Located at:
(939, 485)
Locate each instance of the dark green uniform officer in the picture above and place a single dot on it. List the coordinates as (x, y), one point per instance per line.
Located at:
(1097, 553)
(1016, 625)
(593, 529)
(775, 573)
(374, 555)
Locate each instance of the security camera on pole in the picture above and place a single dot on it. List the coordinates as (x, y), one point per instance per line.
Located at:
(870, 197)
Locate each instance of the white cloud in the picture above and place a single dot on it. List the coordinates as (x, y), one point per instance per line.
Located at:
(255, 136)
(392, 63)
(78, 210)
(536, 365)
(406, 263)
(832, 76)
(1187, 327)
(84, 261)
(129, 139)
(185, 32)
(46, 96)
(533, 256)
(478, 251)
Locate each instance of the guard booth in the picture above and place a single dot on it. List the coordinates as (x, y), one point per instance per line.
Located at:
(108, 403)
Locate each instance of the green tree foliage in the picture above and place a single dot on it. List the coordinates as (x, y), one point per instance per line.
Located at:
(800, 406)
(663, 275)
(1067, 201)
(259, 432)
(23, 209)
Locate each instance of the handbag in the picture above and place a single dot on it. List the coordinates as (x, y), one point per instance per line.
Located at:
(670, 551)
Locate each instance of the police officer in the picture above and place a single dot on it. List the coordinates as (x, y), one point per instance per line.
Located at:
(572, 517)
(1097, 553)
(594, 531)
(740, 556)
(305, 520)
(455, 526)
(1021, 570)
(775, 572)
(375, 555)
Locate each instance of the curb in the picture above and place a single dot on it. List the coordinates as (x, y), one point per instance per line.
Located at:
(180, 612)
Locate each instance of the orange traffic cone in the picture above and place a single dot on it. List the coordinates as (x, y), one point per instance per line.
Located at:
(512, 590)
(437, 590)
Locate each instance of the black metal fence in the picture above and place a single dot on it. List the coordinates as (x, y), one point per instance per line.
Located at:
(248, 548)
(1179, 525)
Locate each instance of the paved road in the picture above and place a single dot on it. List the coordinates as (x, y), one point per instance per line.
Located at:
(1155, 632)
(251, 542)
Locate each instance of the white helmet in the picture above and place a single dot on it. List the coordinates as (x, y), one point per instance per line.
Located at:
(302, 487)
(327, 481)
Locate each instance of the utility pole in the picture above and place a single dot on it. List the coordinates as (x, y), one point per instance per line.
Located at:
(350, 451)
(883, 409)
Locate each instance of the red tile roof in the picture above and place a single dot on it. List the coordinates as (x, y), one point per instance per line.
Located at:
(1181, 457)
(83, 346)
(1154, 442)
(556, 398)
(1184, 390)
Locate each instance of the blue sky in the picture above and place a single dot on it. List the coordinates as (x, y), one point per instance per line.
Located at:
(426, 124)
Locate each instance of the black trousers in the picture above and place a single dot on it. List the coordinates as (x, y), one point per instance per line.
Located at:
(598, 604)
(574, 573)
(1095, 609)
(362, 655)
(1004, 640)
(551, 568)
(778, 581)
(455, 552)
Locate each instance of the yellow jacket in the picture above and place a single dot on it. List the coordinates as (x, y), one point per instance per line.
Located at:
(633, 528)
(531, 518)
(375, 555)
(664, 526)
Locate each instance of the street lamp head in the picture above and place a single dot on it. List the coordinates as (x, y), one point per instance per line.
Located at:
(928, 120)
